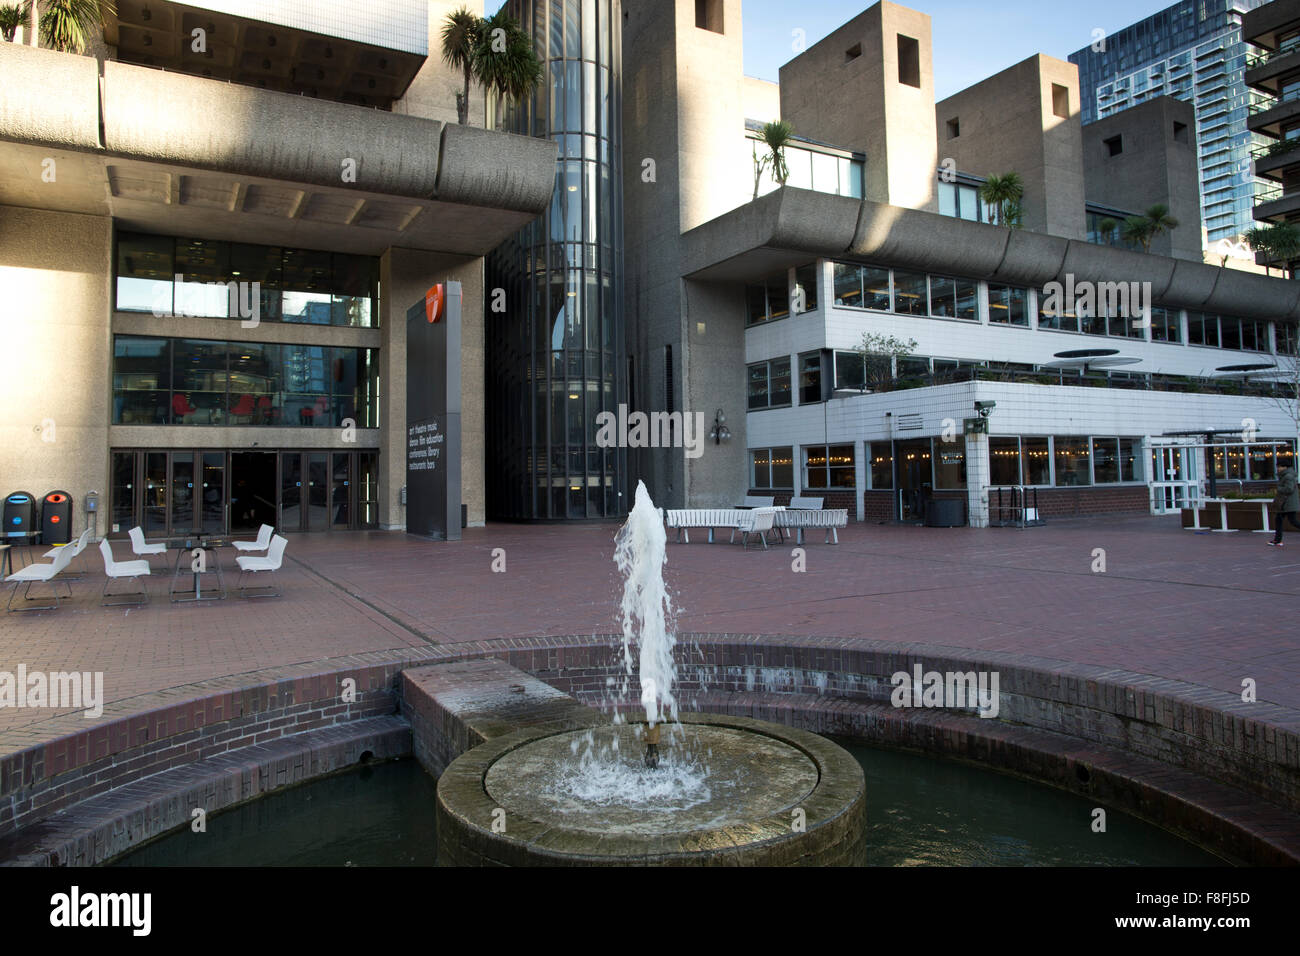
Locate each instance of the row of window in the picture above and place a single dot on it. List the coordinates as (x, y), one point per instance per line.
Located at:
(193, 277)
(1047, 461)
(158, 381)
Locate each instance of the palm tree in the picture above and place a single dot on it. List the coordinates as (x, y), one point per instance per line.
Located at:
(462, 32)
(1139, 230)
(1161, 221)
(1279, 242)
(776, 136)
(68, 25)
(12, 16)
(504, 60)
(1004, 194)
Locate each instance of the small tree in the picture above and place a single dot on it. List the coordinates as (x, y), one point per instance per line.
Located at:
(494, 51)
(1279, 242)
(68, 25)
(878, 355)
(462, 31)
(1146, 227)
(775, 136)
(12, 16)
(1004, 194)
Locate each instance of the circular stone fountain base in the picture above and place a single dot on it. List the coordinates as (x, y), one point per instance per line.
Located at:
(729, 791)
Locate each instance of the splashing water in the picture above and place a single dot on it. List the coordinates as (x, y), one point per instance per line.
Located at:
(640, 553)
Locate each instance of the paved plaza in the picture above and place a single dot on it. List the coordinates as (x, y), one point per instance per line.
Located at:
(1207, 609)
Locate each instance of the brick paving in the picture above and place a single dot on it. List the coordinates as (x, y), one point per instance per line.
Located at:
(1205, 609)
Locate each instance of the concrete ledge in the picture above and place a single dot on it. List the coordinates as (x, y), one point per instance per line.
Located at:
(133, 814)
(49, 98)
(501, 170)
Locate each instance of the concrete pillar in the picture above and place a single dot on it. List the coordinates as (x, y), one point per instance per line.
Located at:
(861, 452)
(977, 480)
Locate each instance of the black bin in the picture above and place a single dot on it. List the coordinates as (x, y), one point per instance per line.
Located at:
(56, 518)
(945, 513)
(20, 515)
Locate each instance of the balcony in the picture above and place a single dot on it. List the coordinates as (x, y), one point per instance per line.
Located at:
(1265, 70)
(1273, 204)
(1268, 114)
(1271, 159)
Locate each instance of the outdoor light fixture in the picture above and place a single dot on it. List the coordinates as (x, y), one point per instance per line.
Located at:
(720, 432)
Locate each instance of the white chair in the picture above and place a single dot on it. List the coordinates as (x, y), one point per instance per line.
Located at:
(261, 544)
(40, 572)
(250, 564)
(138, 546)
(122, 569)
(77, 546)
(758, 521)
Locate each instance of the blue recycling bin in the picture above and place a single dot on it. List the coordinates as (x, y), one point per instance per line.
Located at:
(20, 515)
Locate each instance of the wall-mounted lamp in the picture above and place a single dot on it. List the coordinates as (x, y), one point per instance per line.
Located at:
(720, 431)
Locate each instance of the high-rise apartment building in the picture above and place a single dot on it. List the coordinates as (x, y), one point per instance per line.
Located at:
(1193, 51)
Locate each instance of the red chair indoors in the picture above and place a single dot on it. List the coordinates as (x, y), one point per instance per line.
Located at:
(181, 406)
(244, 407)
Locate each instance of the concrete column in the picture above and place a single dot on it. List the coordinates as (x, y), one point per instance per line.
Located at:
(977, 480)
(861, 451)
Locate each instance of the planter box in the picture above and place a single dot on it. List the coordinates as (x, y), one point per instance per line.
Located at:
(1242, 515)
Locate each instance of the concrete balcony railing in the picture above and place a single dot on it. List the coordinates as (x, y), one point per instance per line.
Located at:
(1267, 115)
(58, 100)
(1264, 70)
(1273, 203)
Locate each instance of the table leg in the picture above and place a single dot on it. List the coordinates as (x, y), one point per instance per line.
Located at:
(1223, 520)
(1263, 507)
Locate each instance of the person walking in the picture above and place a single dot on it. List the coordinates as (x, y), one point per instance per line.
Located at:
(1285, 504)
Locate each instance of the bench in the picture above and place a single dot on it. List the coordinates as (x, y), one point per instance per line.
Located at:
(757, 521)
(758, 501)
(686, 518)
(828, 518)
(806, 504)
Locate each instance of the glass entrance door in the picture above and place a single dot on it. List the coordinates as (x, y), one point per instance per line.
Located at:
(914, 477)
(252, 490)
(318, 488)
(1175, 479)
(212, 504)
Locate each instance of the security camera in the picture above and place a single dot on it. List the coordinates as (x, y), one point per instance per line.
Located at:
(985, 408)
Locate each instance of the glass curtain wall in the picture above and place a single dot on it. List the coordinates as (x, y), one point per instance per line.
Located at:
(556, 355)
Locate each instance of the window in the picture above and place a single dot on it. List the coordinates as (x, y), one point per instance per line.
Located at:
(1180, 132)
(769, 384)
(1065, 321)
(882, 465)
(1105, 461)
(950, 464)
(910, 294)
(767, 302)
(953, 298)
(1286, 338)
(805, 280)
(1230, 333)
(708, 15)
(909, 61)
(1004, 461)
(913, 367)
(772, 468)
(861, 287)
(1072, 461)
(1060, 101)
(203, 382)
(1166, 326)
(850, 370)
(810, 378)
(1114, 145)
(1202, 329)
(1036, 461)
(145, 272)
(1008, 305)
(1130, 460)
(828, 467)
(954, 128)
(852, 53)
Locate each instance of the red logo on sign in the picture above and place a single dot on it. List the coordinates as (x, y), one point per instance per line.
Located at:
(434, 300)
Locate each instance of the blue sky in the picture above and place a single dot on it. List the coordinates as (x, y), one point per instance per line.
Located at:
(972, 39)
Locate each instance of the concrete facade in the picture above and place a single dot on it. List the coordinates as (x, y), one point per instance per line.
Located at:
(1012, 122)
(869, 87)
(1156, 163)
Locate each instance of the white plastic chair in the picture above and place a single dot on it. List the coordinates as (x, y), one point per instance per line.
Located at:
(77, 546)
(122, 569)
(261, 544)
(34, 573)
(140, 548)
(758, 521)
(251, 564)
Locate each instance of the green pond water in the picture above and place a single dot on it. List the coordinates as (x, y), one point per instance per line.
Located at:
(920, 812)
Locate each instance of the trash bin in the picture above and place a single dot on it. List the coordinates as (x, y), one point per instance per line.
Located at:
(56, 518)
(945, 513)
(20, 515)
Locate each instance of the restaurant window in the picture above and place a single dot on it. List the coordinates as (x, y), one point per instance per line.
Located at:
(1263, 463)
(913, 368)
(1286, 338)
(1105, 461)
(953, 298)
(861, 287)
(1063, 320)
(829, 467)
(882, 465)
(810, 378)
(1036, 460)
(1072, 461)
(767, 302)
(1008, 305)
(772, 468)
(1202, 329)
(850, 370)
(950, 464)
(911, 294)
(1130, 460)
(1004, 461)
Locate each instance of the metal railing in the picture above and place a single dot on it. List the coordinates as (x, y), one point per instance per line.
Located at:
(1016, 506)
(1094, 379)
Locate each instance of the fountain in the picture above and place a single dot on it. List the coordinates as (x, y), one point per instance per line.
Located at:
(662, 788)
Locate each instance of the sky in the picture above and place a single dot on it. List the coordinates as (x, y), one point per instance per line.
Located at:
(972, 39)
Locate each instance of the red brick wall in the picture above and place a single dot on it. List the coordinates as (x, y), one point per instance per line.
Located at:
(878, 506)
(830, 499)
(1080, 502)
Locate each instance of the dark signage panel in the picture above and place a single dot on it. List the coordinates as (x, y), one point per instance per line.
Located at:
(433, 414)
